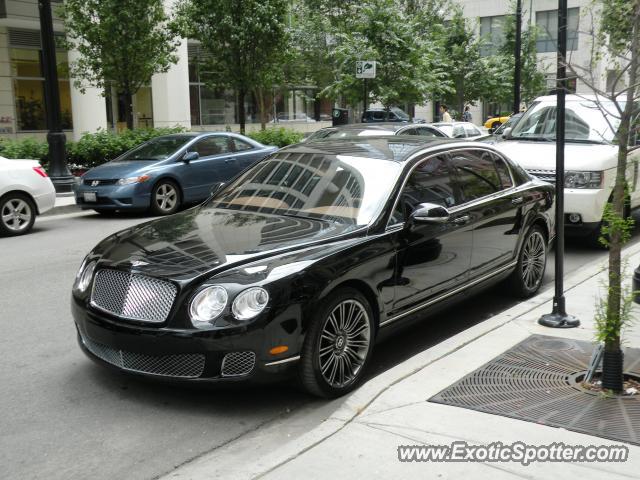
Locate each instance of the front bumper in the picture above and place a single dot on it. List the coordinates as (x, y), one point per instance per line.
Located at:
(114, 197)
(179, 355)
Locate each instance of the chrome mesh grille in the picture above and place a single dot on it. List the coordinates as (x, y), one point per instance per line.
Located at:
(238, 363)
(181, 365)
(133, 296)
(546, 175)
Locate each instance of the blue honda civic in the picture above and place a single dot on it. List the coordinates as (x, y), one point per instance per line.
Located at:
(168, 171)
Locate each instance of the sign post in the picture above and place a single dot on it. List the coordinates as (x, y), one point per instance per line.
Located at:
(365, 69)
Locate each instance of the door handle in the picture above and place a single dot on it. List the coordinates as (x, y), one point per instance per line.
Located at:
(461, 220)
(229, 159)
(517, 200)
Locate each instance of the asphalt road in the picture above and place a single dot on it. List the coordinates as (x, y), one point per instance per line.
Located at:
(65, 418)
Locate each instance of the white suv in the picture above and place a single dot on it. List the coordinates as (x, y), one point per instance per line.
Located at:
(590, 157)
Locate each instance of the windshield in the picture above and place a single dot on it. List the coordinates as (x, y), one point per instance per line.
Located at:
(336, 188)
(400, 113)
(351, 132)
(159, 148)
(584, 122)
(510, 123)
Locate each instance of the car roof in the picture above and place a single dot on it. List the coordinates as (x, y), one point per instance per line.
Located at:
(398, 148)
(444, 124)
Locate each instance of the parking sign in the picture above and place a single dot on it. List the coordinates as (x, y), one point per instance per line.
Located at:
(365, 69)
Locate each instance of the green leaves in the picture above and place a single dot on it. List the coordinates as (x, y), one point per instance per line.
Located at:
(280, 137)
(121, 42)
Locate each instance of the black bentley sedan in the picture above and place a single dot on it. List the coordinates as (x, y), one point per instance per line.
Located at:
(297, 266)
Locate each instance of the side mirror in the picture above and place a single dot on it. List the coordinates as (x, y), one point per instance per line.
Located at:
(507, 132)
(187, 157)
(430, 213)
(491, 130)
(215, 188)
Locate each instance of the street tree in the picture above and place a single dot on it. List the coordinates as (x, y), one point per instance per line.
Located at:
(244, 43)
(409, 67)
(473, 77)
(122, 44)
(616, 39)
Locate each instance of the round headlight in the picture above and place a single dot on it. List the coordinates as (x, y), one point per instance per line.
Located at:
(83, 279)
(250, 303)
(208, 304)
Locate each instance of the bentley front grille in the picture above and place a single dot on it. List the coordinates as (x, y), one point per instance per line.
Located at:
(132, 296)
(181, 365)
(236, 364)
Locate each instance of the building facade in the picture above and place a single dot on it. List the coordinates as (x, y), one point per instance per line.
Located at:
(178, 97)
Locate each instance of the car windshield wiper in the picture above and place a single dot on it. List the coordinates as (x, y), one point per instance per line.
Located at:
(586, 140)
(533, 139)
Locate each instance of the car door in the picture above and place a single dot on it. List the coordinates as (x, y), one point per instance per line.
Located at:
(245, 153)
(215, 163)
(494, 205)
(431, 258)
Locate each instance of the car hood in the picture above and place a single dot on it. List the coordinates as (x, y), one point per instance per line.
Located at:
(207, 241)
(111, 170)
(542, 156)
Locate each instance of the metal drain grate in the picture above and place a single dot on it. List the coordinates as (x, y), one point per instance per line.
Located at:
(533, 381)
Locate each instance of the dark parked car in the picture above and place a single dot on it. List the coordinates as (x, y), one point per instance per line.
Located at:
(379, 129)
(168, 171)
(377, 115)
(301, 263)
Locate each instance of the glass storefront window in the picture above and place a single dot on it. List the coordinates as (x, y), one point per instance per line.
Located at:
(28, 86)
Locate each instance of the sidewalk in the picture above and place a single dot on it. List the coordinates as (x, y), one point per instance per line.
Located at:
(361, 438)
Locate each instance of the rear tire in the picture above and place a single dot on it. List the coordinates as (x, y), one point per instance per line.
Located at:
(17, 214)
(338, 345)
(526, 279)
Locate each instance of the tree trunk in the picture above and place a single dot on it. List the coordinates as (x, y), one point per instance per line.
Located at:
(241, 113)
(128, 100)
(263, 114)
(612, 364)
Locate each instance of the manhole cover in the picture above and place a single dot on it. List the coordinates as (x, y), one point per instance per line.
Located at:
(535, 382)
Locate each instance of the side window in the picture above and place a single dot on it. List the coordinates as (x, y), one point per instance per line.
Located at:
(378, 116)
(458, 132)
(425, 132)
(471, 131)
(409, 131)
(476, 175)
(503, 172)
(430, 182)
(240, 145)
(210, 146)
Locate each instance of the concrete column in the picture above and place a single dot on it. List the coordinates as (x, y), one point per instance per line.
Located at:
(170, 93)
(89, 109)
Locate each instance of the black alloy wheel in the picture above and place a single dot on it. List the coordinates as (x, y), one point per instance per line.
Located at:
(338, 345)
(526, 279)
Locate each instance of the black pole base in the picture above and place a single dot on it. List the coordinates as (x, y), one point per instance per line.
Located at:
(612, 368)
(64, 184)
(559, 320)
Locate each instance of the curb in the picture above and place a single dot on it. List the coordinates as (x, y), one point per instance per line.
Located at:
(355, 404)
(61, 210)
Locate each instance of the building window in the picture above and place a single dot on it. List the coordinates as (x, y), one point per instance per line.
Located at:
(28, 86)
(547, 23)
(492, 34)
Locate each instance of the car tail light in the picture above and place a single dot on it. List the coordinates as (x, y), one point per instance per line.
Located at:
(40, 171)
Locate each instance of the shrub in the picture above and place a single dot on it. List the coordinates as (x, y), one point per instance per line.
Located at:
(280, 137)
(96, 148)
(25, 148)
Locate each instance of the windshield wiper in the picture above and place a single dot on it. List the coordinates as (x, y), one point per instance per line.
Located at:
(533, 139)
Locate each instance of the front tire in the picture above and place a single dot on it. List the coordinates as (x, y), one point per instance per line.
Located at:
(526, 279)
(338, 345)
(17, 214)
(165, 198)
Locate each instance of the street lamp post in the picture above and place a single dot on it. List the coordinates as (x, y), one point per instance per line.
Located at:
(558, 318)
(58, 170)
(517, 55)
